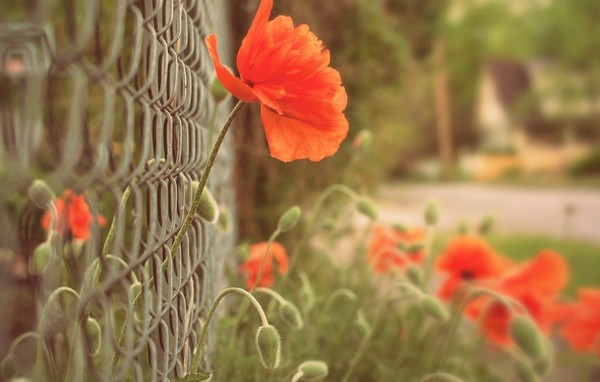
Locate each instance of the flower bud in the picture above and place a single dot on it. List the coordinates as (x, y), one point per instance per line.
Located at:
(313, 370)
(525, 372)
(431, 213)
(289, 219)
(290, 314)
(208, 209)
(268, 343)
(433, 307)
(225, 219)
(527, 336)
(218, 91)
(542, 366)
(363, 140)
(40, 194)
(94, 334)
(42, 257)
(367, 207)
(414, 274)
(486, 225)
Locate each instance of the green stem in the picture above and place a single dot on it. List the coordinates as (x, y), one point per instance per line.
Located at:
(271, 293)
(429, 256)
(211, 312)
(189, 218)
(264, 259)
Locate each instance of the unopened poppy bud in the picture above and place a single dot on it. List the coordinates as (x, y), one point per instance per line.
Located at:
(268, 343)
(363, 140)
(291, 315)
(40, 194)
(527, 336)
(542, 366)
(208, 209)
(225, 219)
(367, 207)
(433, 307)
(486, 225)
(525, 372)
(95, 335)
(42, 257)
(289, 219)
(431, 213)
(414, 274)
(313, 370)
(218, 91)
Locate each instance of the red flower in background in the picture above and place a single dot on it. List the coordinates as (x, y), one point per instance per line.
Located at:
(468, 259)
(72, 216)
(535, 284)
(251, 266)
(390, 247)
(286, 69)
(581, 327)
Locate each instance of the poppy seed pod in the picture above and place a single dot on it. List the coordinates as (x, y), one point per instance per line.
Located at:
(218, 91)
(433, 307)
(366, 207)
(268, 343)
(313, 370)
(431, 213)
(40, 194)
(291, 315)
(527, 336)
(289, 219)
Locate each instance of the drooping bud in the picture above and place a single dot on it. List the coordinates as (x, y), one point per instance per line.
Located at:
(527, 336)
(313, 370)
(414, 274)
(289, 219)
(218, 91)
(290, 314)
(525, 372)
(225, 219)
(268, 343)
(363, 140)
(367, 207)
(208, 209)
(95, 335)
(431, 213)
(42, 257)
(486, 225)
(40, 194)
(433, 307)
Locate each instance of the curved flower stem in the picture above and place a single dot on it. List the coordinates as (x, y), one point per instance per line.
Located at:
(189, 218)
(264, 259)
(271, 293)
(308, 229)
(211, 312)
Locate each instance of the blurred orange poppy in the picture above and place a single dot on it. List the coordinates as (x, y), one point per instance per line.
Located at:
(467, 259)
(391, 247)
(286, 69)
(73, 216)
(581, 328)
(251, 266)
(534, 284)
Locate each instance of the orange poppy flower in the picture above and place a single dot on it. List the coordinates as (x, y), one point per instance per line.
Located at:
(581, 328)
(535, 284)
(468, 259)
(251, 266)
(73, 216)
(389, 247)
(286, 69)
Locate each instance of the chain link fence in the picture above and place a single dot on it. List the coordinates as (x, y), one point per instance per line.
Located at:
(107, 101)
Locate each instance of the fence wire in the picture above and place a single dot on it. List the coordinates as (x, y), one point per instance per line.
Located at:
(98, 97)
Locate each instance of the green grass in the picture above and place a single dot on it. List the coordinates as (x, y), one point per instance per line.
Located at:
(582, 257)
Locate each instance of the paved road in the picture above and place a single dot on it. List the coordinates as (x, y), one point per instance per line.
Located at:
(515, 209)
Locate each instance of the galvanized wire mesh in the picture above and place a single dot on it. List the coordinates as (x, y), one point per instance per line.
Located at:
(97, 97)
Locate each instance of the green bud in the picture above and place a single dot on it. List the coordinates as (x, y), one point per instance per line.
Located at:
(367, 207)
(486, 225)
(363, 140)
(542, 366)
(208, 209)
(225, 219)
(433, 307)
(291, 315)
(289, 219)
(414, 274)
(527, 336)
(40, 194)
(42, 257)
(431, 213)
(313, 370)
(268, 343)
(95, 335)
(218, 91)
(525, 372)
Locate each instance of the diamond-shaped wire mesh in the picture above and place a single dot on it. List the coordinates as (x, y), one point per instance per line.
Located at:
(107, 101)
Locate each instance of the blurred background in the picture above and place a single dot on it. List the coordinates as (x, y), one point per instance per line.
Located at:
(505, 92)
